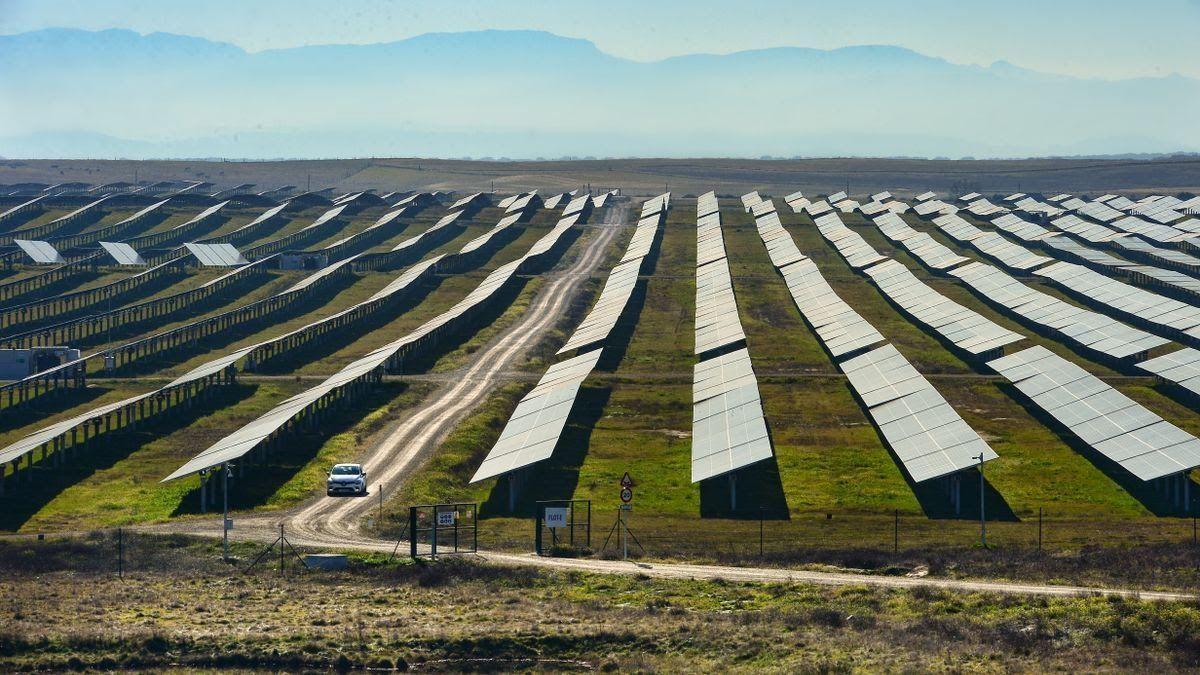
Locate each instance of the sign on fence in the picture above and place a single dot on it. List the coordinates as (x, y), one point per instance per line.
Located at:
(446, 518)
(556, 516)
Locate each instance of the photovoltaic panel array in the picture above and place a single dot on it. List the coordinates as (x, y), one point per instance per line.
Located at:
(928, 208)
(1083, 327)
(780, 246)
(537, 423)
(841, 329)
(718, 324)
(217, 255)
(122, 253)
(245, 439)
(535, 427)
(962, 327)
(40, 251)
(1110, 423)
(815, 209)
(728, 428)
(1020, 228)
(1090, 232)
(983, 208)
(957, 228)
(1142, 305)
(1005, 252)
(928, 436)
(836, 324)
(857, 252)
(928, 250)
(1065, 247)
(1171, 258)
(1181, 368)
(614, 298)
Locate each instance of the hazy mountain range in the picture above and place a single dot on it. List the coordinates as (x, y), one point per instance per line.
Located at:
(72, 93)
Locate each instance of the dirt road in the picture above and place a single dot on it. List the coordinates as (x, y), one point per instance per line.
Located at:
(388, 461)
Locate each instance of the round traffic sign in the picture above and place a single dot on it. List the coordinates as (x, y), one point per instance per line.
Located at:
(626, 495)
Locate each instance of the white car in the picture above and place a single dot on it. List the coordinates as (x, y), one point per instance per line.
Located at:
(346, 479)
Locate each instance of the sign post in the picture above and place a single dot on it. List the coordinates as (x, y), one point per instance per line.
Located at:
(626, 506)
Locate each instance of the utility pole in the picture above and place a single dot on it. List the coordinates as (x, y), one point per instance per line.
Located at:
(982, 517)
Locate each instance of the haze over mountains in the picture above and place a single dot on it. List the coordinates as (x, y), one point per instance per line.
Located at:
(115, 93)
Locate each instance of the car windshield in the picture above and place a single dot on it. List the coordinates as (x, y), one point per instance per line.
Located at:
(345, 470)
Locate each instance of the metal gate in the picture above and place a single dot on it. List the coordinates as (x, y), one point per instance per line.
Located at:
(568, 522)
(436, 529)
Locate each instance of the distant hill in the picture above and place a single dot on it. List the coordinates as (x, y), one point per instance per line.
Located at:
(66, 92)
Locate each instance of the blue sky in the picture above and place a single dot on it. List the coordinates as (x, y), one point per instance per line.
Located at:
(1089, 38)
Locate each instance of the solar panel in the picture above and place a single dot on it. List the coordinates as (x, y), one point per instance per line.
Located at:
(717, 321)
(1091, 232)
(642, 240)
(932, 206)
(750, 199)
(1180, 367)
(1162, 312)
(728, 428)
(926, 196)
(243, 440)
(780, 246)
(122, 253)
(857, 252)
(836, 197)
(536, 425)
(957, 227)
(836, 324)
(922, 429)
(816, 208)
(216, 255)
(929, 251)
(1070, 323)
(576, 205)
(40, 251)
(603, 317)
(962, 327)
(1021, 228)
(1110, 423)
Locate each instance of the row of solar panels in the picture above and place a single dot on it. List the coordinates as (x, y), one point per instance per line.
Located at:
(242, 441)
(926, 434)
(729, 430)
(535, 427)
(1161, 449)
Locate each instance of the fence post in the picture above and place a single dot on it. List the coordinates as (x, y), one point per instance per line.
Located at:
(120, 553)
(1039, 529)
(412, 531)
(896, 533)
(760, 531)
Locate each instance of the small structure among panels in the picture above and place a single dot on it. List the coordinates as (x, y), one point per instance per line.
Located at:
(40, 252)
(1110, 423)
(122, 253)
(927, 435)
(217, 255)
